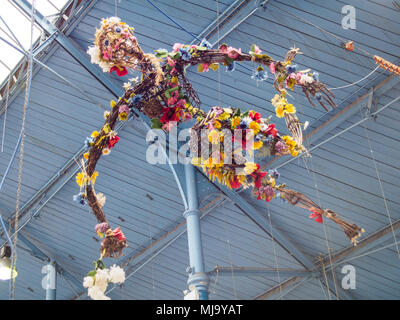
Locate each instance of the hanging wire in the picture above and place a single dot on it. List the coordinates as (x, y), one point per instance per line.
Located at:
(21, 152)
(275, 254)
(177, 23)
(356, 82)
(318, 27)
(323, 222)
(380, 184)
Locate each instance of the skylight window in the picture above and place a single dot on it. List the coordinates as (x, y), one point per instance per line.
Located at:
(21, 26)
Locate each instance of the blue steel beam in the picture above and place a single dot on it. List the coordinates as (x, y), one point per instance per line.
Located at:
(260, 272)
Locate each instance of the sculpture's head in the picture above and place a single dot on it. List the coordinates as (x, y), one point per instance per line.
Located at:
(115, 47)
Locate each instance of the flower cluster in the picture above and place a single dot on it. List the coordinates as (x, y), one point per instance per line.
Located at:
(82, 179)
(232, 132)
(282, 106)
(98, 279)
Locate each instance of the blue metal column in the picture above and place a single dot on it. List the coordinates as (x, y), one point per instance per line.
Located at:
(197, 277)
(49, 282)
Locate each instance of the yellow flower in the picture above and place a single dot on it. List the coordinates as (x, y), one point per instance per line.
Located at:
(174, 80)
(106, 114)
(123, 116)
(235, 122)
(255, 126)
(224, 116)
(80, 179)
(257, 145)
(289, 108)
(250, 167)
(112, 103)
(280, 111)
(86, 155)
(294, 153)
(95, 134)
(289, 142)
(93, 177)
(291, 82)
(214, 66)
(217, 125)
(106, 128)
(214, 137)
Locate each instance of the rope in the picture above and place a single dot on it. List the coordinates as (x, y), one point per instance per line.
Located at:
(21, 152)
(5, 113)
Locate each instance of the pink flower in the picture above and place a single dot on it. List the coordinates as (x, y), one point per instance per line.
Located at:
(205, 67)
(105, 55)
(173, 72)
(181, 103)
(171, 62)
(233, 53)
(272, 68)
(257, 49)
(223, 48)
(177, 46)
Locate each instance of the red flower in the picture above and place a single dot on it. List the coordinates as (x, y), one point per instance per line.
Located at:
(120, 71)
(316, 215)
(271, 130)
(257, 176)
(255, 116)
(119, 234)
(111, 143)
(235, 183)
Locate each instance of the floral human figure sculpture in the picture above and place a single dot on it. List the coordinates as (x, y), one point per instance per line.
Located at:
(166, 96)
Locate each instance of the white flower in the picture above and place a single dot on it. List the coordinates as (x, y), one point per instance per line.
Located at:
(105, 66)
(306, 79)
(101, 276)
(117, 274)
(134, 80)
(94, 53)
(263, 126)
(88, 282)
(127, 85)
(96, 294)
(247, 120)
(113, 20)
(102, 286)
(101, 199)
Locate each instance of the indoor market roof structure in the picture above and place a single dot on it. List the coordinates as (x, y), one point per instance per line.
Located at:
(252, 249)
